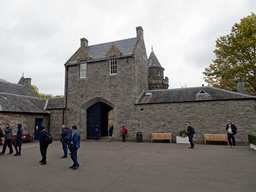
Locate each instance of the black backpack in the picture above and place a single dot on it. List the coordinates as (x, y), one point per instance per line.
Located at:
(48, 138)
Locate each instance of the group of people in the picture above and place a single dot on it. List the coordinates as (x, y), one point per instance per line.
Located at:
(71, 140)
(230, 128)
(67, 139)
(8, 139)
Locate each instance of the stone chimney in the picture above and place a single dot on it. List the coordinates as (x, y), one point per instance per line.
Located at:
(139, 31)
(240, 86)
(84, 42)
(27, 82)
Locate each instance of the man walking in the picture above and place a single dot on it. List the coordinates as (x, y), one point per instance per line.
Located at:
(65, 135)
(75, 145)
(231, 131)
(190, 133)
(8, 138)
(43, 145)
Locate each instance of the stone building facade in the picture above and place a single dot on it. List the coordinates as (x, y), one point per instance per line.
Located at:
(116, 83)
(136, 93)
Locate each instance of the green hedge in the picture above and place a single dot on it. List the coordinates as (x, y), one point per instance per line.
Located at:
(252, 138)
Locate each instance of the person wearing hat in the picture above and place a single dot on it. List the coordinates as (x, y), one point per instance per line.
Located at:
(18, 141)
(231, 131)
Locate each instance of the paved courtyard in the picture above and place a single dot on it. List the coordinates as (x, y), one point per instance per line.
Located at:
(131, 166)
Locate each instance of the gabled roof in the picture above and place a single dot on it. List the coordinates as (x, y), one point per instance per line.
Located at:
(17, 89)
(98, 52)
(153, 61)
(189, 95)
(20, 103)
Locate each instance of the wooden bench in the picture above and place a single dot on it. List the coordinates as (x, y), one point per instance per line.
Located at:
(215, 137)
(25, 138)
(161, 136)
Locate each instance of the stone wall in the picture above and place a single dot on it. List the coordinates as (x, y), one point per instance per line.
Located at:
(27, 121)
(56, 119)
(205, 117)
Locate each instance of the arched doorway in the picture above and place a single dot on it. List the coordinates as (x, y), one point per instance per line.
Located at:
(97, 116)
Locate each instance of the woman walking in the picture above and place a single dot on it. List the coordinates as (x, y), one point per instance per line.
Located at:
(18, 142)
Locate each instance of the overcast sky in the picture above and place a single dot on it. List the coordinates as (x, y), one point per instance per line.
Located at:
(39, 36)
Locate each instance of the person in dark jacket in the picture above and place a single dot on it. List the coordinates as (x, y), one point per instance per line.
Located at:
(64, 141)
(75, 145)
(231, 131)
(110, 132)
(8, 138)
(190, 134)
(97, 131)
(18, 141)
(43, 145)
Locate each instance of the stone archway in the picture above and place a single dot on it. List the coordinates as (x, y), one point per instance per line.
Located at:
(96, 112)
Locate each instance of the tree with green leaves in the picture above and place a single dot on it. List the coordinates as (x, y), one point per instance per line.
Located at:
(235, 58)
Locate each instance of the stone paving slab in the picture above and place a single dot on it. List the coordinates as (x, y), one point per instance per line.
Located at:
(131, 166)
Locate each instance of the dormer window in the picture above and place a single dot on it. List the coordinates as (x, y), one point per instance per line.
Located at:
(112, 66)
(203, 95)
(83, 70)
(158, 73)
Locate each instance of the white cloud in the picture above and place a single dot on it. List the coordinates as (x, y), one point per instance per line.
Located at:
(38, 36)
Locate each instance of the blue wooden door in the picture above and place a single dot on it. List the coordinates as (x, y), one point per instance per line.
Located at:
(38, 124)
(93, 120)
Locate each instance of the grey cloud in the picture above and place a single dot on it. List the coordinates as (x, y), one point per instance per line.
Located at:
(35, 30)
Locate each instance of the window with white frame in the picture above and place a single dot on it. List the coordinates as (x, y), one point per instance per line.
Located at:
(112, 66)
(83, 70)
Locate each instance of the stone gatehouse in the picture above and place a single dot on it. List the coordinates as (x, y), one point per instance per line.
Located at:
(117, 83)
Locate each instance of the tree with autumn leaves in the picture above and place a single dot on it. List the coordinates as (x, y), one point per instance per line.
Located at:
(235, 58)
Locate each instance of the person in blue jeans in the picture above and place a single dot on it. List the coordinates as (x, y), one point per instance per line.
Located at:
(75, 145)
(231, 131)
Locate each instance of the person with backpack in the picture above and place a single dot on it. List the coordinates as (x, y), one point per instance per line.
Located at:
(8, 138)
(18, 141)
(124, 133)
(190, 133)
(43, 144)
(66, 136)
(231, 131)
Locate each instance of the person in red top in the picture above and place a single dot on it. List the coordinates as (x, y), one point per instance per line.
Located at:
(124, 132)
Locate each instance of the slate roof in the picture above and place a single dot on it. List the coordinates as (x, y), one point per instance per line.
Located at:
(153, 61)
(98, 51)
(19, 98)
(20, 103)
(17, 89)
(55, 103)
(189, 95)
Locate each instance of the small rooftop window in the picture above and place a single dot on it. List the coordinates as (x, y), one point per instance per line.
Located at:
(149, 94)
(202, 95)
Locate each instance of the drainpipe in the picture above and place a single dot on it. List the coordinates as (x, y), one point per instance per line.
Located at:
(66, 95)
